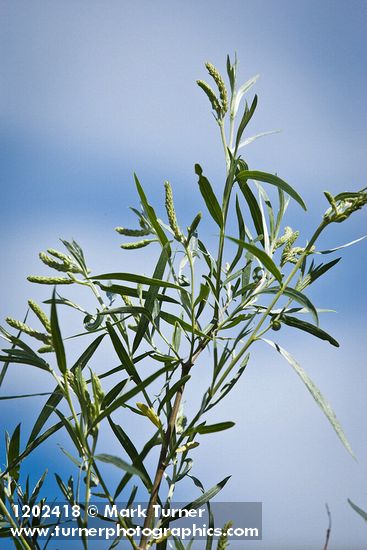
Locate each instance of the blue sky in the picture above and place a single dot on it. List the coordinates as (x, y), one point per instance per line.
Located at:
(93, 91)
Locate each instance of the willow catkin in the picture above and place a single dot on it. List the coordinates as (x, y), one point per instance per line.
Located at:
(60, 255)
(215, 74)
(137, 244)
(171, 212)
(211, 96)
(223, 539)
(132, 232)
(19, 325)
(40, 314)
(49, 280)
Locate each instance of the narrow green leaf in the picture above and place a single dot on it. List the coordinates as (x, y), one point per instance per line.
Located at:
(71, 431)
(242, 90)
(113, 393)
(316, 394)
(206, 497)
(120, 402)
(342, 246)
(122, 354)
(307, 327)
(266, 261)
(257, 136)
(13, 452)
(150, 299)
(152, 217)
(8, 397)
(24, 359)
(145, 451)
(357, 509)
(229, 385)
(254, 210)
(297, 296)
(256, 175)
(56, 396)
(130, 449)
(173, 319)
(122, 465)
(315, 272)
(247, 116)
(56, 337)
(211, 428)
(139, 279)
(33, 445)
(133, 292)
(209, 197)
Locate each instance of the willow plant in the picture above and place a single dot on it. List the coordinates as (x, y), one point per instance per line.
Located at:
(222, 300)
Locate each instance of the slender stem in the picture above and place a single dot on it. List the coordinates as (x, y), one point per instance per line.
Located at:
(7, 514)
(224, 141)
(254, 333)
(162, 465)
(191, 263)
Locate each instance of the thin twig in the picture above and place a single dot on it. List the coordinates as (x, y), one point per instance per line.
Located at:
(328, 531)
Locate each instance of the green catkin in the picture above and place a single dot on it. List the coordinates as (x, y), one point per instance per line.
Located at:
(171, 213)
(50, 262)
(40, 314)
(223, 539)
(132, 232)
(60, 255)
(211, 96)
(137, 244)
(46, 349)
(49, 280)
(282, 240)
(344, 206)
(19, 325)
(287, 250)
(214, 73)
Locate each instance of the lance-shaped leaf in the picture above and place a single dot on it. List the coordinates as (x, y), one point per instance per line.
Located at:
(133, 292)
(57, 395)
(150, 299)
(122, 465)
(256, 175)
(211, 428)
(262, 256)
(308, 327)
(247, 116)
(316, 394)
(56, 337)
(351, 243)
(209, 197)
(254, 210)
(33, 445)
(205, 497)
(122, 354)
(120, 401)
(297, 296)
(357, 509)
(139, 279)
(152, 217)
(242, 90)
(130, 449)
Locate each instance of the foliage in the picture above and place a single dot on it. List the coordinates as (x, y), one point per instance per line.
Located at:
(195, 300)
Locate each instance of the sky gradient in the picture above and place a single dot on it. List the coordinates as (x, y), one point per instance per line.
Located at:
(93, 91)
